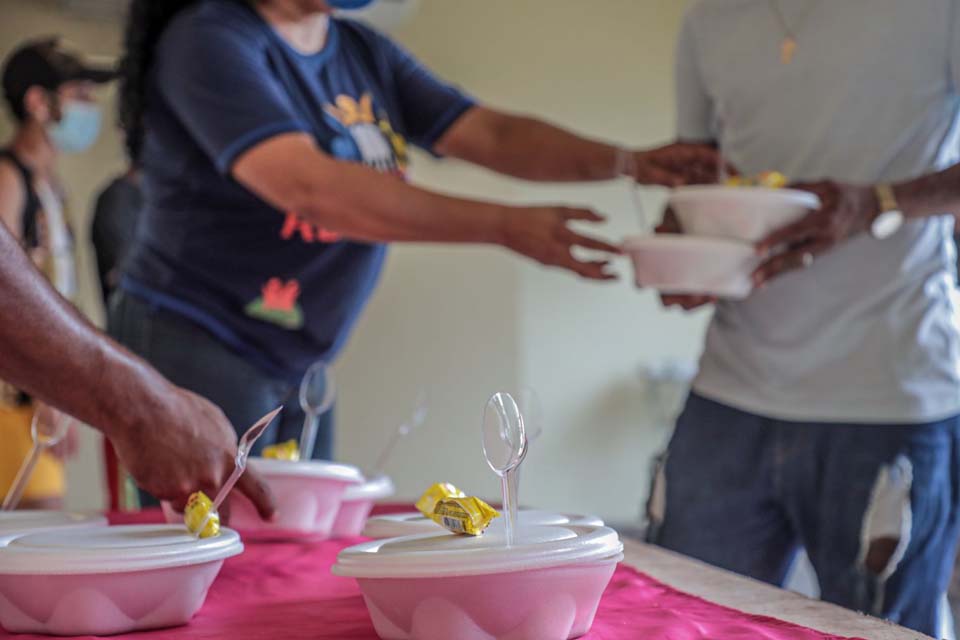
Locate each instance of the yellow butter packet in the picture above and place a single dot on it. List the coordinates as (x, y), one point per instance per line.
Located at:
(769, 179)
(198, 506)
(772, 180)
(440, 491)
(464, 515)
(289, 450)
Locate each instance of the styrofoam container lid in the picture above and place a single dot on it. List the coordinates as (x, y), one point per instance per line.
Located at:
(414, 523)
(308, 469)
(377, 489)
(447, 554)
(114, 549)
(17, 523)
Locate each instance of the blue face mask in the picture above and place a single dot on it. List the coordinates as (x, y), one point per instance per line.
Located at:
(78, 128)
(349, 4)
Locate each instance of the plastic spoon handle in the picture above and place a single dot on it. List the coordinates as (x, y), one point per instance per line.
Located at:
(228, 485)
(381, 463)
(308, 437)
(249, 438)
(510, 493)
(15, 493)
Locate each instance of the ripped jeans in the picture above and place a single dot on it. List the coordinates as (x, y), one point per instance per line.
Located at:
(875, 506)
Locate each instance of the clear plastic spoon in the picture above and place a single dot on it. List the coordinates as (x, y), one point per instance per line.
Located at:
(317, 394)
(418, 417)
(45, 435)
(249, 438)
(631, 169)
(532, 411)
(505, 447)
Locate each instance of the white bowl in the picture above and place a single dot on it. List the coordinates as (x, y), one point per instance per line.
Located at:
(358, 502)
(108, 580)
(308, 496)
(682, 264)
(438, 586)
(415, 523)
(748, 214)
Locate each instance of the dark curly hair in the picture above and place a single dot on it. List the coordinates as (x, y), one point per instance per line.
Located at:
(146, 21)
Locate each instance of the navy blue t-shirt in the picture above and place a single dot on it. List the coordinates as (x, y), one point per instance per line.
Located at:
(276, 288)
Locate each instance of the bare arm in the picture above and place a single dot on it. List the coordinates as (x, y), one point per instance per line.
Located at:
(527, 148)
(849, 210)
(172, 441)
(530, 149)
(933, 194)
(12, 198)
(291, 173)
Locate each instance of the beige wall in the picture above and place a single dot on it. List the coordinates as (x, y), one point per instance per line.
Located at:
(465, 322)
(603, 68)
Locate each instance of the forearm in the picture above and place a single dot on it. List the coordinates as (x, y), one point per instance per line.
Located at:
(360, 203)
(51, 352)
(528, 148)
(933, 194)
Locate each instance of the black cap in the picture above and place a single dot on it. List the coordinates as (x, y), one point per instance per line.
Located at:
(45, 63)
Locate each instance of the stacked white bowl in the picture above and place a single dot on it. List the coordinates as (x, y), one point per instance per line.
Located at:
(716, 254)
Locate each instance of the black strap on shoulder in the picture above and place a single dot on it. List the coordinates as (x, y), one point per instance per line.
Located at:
(31, 205)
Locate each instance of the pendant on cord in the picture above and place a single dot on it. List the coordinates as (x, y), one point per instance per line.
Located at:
(788, 50)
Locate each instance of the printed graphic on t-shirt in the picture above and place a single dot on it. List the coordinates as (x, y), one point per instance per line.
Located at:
(367, 138)
(278, 304)
(295, 226)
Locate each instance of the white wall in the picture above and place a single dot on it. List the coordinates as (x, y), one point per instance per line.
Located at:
(465, 322)
(603, 68)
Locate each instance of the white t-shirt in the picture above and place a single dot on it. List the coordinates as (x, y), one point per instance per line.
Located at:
(868, 334)
(63, 267)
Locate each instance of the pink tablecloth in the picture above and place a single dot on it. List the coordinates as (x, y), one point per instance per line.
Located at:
(286, 591)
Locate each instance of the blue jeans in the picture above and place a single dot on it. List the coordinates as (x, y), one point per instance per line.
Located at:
(194, 359)
(745, 493)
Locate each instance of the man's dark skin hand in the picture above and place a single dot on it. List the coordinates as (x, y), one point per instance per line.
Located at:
(172, 441)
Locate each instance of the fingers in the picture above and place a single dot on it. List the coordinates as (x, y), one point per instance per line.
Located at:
(663, 177)
(687, 302)
(587, 242)
(179, 504)
(670, 223)
(588, 269)
(581, 214)
(801, 257)
(253, 486)
(791, 235)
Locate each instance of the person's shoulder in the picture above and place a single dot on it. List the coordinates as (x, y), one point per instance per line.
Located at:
(13, 193)
(208, 17)
(357, 32)
(10, 177)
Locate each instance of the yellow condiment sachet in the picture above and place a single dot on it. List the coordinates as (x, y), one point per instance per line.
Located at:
(198, 506)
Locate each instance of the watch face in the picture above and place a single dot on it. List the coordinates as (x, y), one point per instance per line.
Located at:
(886, 224)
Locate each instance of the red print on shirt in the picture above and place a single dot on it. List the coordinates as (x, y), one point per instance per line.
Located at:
(278, 304)
(309, 233)
(279, 295)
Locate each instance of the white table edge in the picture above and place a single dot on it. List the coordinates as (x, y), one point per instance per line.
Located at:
(748, 595)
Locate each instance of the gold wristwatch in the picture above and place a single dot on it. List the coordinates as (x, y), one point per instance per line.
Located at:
(890, 217)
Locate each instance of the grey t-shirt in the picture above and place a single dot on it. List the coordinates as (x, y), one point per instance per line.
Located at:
(869, 333)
